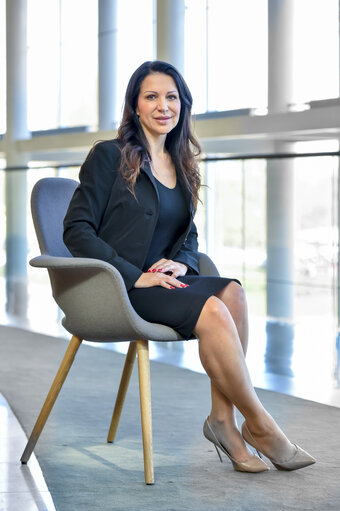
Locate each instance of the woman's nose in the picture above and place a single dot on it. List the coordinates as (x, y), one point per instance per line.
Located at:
(162, 105)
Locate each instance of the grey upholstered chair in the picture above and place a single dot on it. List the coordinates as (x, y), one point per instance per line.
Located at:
(93, 297)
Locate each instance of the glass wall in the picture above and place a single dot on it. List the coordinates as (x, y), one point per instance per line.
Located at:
(225, 55)
(136, 37)
(62, 63)
(226, 52)
(232, 224)
(316, 50)
(63, 58)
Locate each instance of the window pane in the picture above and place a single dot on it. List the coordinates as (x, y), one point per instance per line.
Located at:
(43, 64)
(79, 62)
(2, 66)
(62, 63)
(239, 220)
(316, 50)
(195, 48)
(237, 54)
(135, 40)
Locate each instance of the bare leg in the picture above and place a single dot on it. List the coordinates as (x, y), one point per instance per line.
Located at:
(222, 357)
(222, 414)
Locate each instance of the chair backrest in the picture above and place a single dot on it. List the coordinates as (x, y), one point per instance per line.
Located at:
(49, 202)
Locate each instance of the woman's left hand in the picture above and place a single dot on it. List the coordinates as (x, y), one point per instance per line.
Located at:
(166, 265)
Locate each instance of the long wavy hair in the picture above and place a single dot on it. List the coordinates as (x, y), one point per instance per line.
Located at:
(181, 144)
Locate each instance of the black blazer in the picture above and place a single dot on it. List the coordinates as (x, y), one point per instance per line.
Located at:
(105, 221)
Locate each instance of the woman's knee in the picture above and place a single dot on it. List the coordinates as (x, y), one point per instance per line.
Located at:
(234, 296)
(214, 314)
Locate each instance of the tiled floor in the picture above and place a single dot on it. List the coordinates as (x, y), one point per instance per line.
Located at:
(22, 487)
(300, 360)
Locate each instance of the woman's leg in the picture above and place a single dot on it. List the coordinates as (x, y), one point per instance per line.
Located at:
(222, 414)
(222, 357)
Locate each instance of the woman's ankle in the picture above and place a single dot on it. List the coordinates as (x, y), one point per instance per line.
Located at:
(262, 425)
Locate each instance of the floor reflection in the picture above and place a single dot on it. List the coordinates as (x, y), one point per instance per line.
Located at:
(279, 347)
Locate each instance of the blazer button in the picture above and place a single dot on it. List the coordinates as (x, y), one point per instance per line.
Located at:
(149, 212)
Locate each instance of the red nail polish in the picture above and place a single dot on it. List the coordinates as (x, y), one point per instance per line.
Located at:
(153, 269)
(148, 271)
(172, 287)
(160, 269)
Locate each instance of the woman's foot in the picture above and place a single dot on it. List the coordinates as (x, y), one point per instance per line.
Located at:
(230, 438)
(251, 464)
(273, 443)
(270, 440)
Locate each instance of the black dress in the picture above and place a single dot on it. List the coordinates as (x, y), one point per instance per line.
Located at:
(178, 308)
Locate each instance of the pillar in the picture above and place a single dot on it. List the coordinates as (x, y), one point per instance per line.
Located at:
(280, 196)
(280, 178)
(16, 188)
(107, 64)
(170, 32)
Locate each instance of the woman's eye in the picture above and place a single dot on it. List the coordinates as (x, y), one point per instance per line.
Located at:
(151, 96)
(172, 97)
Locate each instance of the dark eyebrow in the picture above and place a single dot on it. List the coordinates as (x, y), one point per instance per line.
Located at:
(155, 92)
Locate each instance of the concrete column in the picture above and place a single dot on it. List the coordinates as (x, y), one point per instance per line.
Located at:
(280, 238)
(280, 179)
(107, 63)
(16, 189)
(170, 32)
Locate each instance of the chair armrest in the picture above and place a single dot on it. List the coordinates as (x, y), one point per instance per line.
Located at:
(55, 262)
(206, 266)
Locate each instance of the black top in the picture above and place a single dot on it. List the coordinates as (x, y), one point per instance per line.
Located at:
(173, 217)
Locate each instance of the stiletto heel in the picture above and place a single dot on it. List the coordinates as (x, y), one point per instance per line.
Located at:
(254, 464)
(218, 453)
(300, 459)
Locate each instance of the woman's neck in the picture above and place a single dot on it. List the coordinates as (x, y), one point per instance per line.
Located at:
(157, 147)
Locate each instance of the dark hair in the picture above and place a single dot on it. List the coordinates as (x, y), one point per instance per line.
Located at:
(180, 142)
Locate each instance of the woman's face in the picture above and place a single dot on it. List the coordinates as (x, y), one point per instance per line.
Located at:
(158, 104)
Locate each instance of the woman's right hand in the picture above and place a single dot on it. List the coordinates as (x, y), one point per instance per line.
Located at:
(152, 279)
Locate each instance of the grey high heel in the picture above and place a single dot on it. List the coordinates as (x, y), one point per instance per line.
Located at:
(300, 459)
(254, 464)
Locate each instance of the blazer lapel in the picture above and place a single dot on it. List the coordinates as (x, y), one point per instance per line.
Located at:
(147, 169)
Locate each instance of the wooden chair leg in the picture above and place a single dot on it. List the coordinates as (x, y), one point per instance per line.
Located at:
(145, 404)
(123, 386)
(58, 381)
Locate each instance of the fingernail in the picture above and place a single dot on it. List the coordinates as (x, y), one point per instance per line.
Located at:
(153, 269)
(172, 287)
(184, 285)
(148, 271)
(159, 269)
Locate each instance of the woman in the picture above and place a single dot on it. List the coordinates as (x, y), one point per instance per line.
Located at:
(134, 208)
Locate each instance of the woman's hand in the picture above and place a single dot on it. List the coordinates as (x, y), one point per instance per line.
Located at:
(168, 266)
(156, 278)
(163, 273)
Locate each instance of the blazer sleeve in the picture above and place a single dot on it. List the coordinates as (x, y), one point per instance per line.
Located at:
(188, 252)
(87, 207)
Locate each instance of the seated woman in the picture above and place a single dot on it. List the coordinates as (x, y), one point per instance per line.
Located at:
(134, 208)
